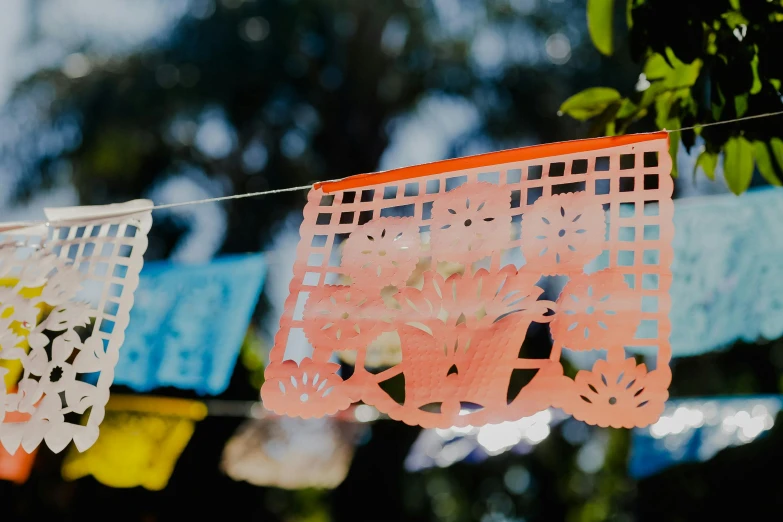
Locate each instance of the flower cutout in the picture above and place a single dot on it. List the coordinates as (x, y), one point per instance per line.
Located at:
(343, 318)
(309, 389)
(382, 252)
(57, 375)
(470, 222)
(9, 339)
(454, 309)
(510, 295)
(44, 423)
(618, 394)
(563, 233)
(596, 311)
(16, 310)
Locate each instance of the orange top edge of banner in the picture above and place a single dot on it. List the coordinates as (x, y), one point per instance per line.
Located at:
(483, 160)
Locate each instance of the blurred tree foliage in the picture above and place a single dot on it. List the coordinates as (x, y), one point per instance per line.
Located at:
(702, 62)
(253, 95)
(249, 95)
(305, 90)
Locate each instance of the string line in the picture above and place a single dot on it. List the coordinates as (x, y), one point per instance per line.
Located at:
(308, 187)
(744, 118)
(235, 196)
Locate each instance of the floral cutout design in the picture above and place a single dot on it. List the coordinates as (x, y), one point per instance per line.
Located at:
(57, 375)
(563, 233)
(618, 394)
(470, 222)
(382, 252)
(455, 310)
(313, 387)
(66, 290)
(595, 310)
(450, 326)
(344, 317)
(384, 352)
(471, 304)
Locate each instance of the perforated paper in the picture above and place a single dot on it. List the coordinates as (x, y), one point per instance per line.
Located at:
(727, 271)
(188, 323)
(141, 442)
(16, 468)
(292, 453)
(66, 290)
(448, 258)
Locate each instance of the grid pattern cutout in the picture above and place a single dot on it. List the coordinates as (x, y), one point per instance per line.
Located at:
(631, 183)
(96, 264)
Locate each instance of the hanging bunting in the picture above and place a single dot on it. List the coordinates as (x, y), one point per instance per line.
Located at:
(16, 468)
(727, 271)
(141, 440)
(598, 205)
(383, 352)
(188, 324)
(694, 430)
(64, 306)
(292, 453)
(443, 447)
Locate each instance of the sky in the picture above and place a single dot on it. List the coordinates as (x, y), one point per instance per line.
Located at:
(121, 26)
(11, 30)
(113, 26)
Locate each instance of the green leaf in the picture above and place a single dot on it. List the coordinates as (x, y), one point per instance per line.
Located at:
(629, 13)
(627, 108)
(741, 104)
(735, 19)
(603, 124)
(738, 164)
(717, 108)
(651, 94)
(707, 161)
(764, 163)
(667, 111)
(678, 75)
(656, 67)
(754, 65)
(674, 145)
(712, 43)
(599, 24)
(776, 144)
(775, 83)
(589, 103)
(735, 4)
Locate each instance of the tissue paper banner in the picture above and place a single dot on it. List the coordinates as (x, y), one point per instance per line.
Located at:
(141, 441)
(188, 323)
(292, 453)
(727, 271)
(16, 468)
(66, 290)
(694, 430)
(447, 257)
